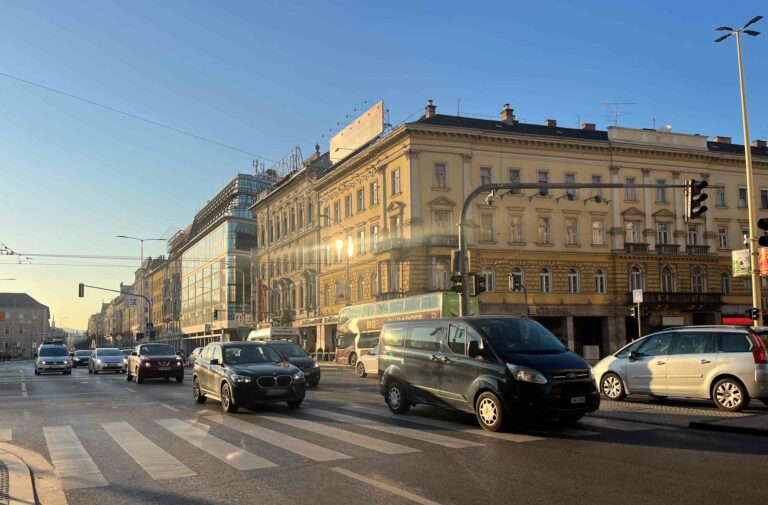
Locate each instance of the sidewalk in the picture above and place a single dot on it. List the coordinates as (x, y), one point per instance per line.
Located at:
(749, 425)
(26, 478)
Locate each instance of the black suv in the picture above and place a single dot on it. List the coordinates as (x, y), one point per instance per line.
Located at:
(298, 357)
(498, 368)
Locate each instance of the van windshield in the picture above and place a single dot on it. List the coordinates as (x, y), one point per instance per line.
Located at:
(519, 336)
(54, 351)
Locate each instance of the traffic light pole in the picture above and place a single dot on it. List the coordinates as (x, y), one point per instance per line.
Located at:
(149, 302)
(639, 321)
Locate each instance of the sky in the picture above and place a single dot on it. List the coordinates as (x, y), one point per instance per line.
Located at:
(264, 77)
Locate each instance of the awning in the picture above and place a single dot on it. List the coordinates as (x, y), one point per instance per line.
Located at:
(738, 320)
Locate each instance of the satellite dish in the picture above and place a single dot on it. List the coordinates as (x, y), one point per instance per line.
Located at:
(667, 128)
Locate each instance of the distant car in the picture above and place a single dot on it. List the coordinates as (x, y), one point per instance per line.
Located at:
(81, 358)
(368, 363)
(107, 359)
(150, 361)
(127, 352)
(53, 358)
(298, 357)
(193, 356)
(727, 364)
(244, 374)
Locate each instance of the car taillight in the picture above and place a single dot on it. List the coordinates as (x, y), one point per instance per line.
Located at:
(759, 352)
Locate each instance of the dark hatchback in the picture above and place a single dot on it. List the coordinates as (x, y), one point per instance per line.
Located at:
(81, 358)
(298, 357)
(153, 361)
(242, 374)
(501, 369)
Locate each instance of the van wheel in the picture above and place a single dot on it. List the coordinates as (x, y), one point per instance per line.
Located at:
(489, 412)
(728, 394)
(353, 359)
(360, 369)
(612, 388)
(397, 401)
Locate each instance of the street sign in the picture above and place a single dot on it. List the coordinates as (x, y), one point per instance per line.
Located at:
(637, 296)
(132, 301)
(207, 327)
(150, 326)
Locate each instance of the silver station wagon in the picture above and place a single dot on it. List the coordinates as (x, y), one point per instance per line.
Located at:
(728, 364)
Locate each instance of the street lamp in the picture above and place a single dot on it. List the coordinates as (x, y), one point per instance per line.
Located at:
(339, 246)
(751, 210)
(141, 265)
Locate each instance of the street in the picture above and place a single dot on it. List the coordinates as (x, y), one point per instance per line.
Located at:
(112, 441)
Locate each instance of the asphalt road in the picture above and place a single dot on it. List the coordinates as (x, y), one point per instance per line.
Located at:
(151, 443)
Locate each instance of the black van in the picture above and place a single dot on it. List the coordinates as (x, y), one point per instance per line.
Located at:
(496, 367)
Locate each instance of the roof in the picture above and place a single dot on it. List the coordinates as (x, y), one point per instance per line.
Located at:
(723, 147)
(20, 301)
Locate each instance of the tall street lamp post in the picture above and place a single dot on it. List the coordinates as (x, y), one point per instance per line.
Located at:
(141, 265)
(339, 246)
(751, 210)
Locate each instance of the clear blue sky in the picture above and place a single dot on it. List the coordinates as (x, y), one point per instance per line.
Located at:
(266, 76)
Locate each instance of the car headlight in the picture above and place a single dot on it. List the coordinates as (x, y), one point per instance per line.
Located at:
(240, 378)
(98, 362)
(125, 361)
(298, 376)
(316, 365)
(524, 374)
(43, 363)
(147, 364)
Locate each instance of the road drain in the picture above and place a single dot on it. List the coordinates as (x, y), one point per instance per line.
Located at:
(3, 484)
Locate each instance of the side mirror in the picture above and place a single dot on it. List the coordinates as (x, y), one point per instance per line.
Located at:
(214, 362)
(473, 349)
(134, 353)
(632, 356)
(179, 353)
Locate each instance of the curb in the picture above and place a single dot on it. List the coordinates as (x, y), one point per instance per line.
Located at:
(20, 488)
(43, 479)
(742, 430)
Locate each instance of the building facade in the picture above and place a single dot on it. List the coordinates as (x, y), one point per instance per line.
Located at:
(24, 324)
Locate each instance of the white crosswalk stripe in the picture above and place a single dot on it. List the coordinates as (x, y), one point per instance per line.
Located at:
(295, 445)
(73, 465)
(155, 461)
(198, 436)
(374, 444)
(423, 436)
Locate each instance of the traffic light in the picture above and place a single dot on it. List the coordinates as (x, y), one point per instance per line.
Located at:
(479, 284)
(139, 336)
(753, 313)
(633, 311)
(215, 314)
(151, 334)
(81, 289)
(694, 196)
(763, 225)
(456, 283)
(646, 310)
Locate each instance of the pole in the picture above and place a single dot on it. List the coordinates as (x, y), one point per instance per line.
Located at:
(348, 290)
(753, 253)
(639, 321)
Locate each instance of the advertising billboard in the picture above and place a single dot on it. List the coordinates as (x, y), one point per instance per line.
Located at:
(361, 130)
(740, 263)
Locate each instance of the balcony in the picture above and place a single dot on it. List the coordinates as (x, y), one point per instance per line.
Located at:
(443, 241)
(679, 298)
(635, 247)
(667, 248)
(697, 250)
(389, 244)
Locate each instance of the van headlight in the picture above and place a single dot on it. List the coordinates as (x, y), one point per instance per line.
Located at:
(524, 374)
(240, 378)
(298, 376)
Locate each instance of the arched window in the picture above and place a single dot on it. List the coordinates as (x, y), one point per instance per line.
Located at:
(698, 279)
(600, 281)
(573, 280)
(668, 280)
(636, 280)
(360, 287)
(725, 284)
(545, 278)
(293, 220)
(516, 280)
(337, 292)
(375, 283)
(293, 298)
(301, 216)
(302, 301)
(309, 213)
(327, 297)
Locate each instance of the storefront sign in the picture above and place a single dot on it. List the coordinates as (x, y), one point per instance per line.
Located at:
(740, 264)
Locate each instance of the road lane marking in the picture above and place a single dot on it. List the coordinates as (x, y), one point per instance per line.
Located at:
(5, 435)
(174, 409)
(216, 447)
(385, 487)
(24, 390)
(130, 389)
(152, 459)
(423, 436)
(446, 425)
(374, 444)
(295, 445)
(73, 465)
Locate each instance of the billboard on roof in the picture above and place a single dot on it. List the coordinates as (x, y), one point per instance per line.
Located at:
(369, 124)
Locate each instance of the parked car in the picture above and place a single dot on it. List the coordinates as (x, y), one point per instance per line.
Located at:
(81, 358)
(727, 364)
(150, 361)
(193, 356)
(368, 363)
(53, 358)
(107, 359)
(494, 367)
(298, 357)
(246, 373)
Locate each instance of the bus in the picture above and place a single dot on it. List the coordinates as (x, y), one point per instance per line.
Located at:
(359, 325)
(286, 333)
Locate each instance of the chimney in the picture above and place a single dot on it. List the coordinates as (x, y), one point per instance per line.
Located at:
(760, 144)
(430, 110)
(508, 115)
(722, 140)
(588, 126)
(551, 122)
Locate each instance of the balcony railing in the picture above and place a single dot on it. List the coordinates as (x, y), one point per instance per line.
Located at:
(667, 248)
(443, 240)
(635, 247)
(388, 244)
(679, 298)
(697, 250)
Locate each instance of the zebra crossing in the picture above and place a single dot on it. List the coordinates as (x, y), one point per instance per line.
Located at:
(304, 435)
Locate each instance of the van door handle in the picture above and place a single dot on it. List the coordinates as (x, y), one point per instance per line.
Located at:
(446, 359)
(434, 357)
(660, 362)
(705, 361)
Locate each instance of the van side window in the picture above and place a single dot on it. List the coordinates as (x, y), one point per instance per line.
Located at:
(206, 353)
(693, 342)
(368, 340)
(733, 342)
(393, 335)
(656, 345)
(457, 338)
(424, 337)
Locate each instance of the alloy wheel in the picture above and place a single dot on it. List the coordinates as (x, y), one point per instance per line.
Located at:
(488, 411)
(612, 387)
(394, 397)
(728, 395)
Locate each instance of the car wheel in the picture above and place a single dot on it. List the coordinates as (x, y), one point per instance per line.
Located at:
(227, 402)
(765, 401)
(360, 369)
(95, 372)
(37, 373)
(90, 371)
(728, 394)
(612, 388)
(180, 378)
(139, 378)
(353, 359)
(397, 399)
(197, 394)
(489, 412)
(294, 404)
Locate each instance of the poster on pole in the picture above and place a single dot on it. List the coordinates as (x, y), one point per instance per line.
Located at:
(637, 296)
(763, 261)
(740, 264)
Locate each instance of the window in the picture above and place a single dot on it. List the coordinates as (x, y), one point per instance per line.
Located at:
(514, 177)
(293, 220)
(693, 234)
(336, 211)
(516, 280)
(360, 288)
(424, 337)
(348, 206)
(573, 280)
(733, 342)
(694, 342)
(598, 233)
(630, 192)
(301, 216)
(440, 273)
(337, 292)
(326, 216)
(395, 181)
(486, 228)
(339, 248)
(667, 279)
(544, 236)
(515, 229)
(545, 279)
(597, 179)
(661, 192)
(698, 280)
(310, 213)
(327, 296)
(360, 200)
(542, 177)
(571, 231)
(630, 232)
(393, 336)
(374, 237)
(570, 179)
(600, 281)
(490, 279)
(635, 278)
(375, 283)
(441, 222)
(722, 237)
(457, 338)
(440, 180)
(361, 241)
(485, 175)
(393, 271)
(725, 284)
(742, 198)
(763, 198)
(394, 227)
(655, 345)
(745, 236)
(662, 233)
(720, 196)
(327, 253)
(373, 189)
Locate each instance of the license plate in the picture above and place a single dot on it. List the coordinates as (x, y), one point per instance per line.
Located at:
(164, 368)
(578, 399)
(274, 392)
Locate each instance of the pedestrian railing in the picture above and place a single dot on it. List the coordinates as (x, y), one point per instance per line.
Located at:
(323, 356)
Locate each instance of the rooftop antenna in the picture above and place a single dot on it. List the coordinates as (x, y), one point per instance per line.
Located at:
(458, 106)
(616, 110)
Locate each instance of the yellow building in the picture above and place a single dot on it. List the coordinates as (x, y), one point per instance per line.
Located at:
(393, 208)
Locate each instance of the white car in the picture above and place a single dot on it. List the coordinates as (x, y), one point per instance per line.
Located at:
(107, 360)
(368, 363)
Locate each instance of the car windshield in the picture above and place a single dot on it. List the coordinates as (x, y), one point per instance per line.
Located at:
(53, 351)
(109, 352)
(245, 354)
(156, 350)
(513, 336)
(82, 353)
(288, 350)
(126, 351)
